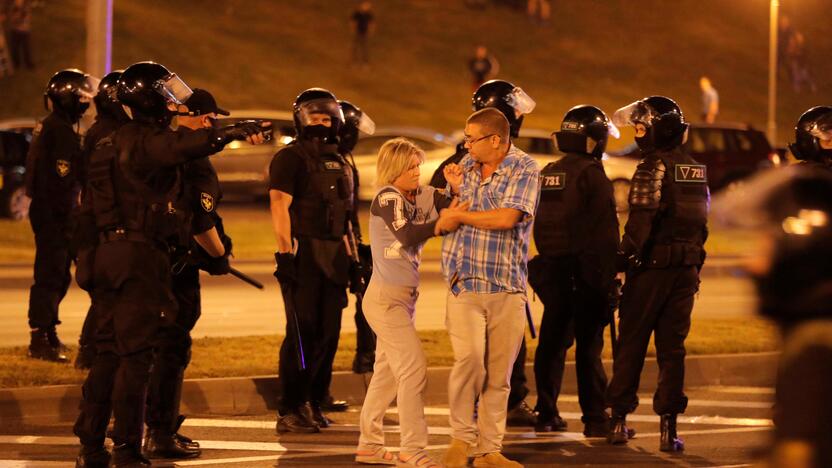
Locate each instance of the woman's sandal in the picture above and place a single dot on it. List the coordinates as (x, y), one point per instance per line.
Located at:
(375, 456)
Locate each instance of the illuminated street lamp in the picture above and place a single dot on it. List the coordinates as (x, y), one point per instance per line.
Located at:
(771, 127)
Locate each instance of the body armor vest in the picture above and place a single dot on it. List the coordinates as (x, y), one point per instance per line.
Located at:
(680, 228)
(561, 220)
(124, 203)
(324, 207)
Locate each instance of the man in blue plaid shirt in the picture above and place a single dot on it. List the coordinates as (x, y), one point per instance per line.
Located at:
(484, 262)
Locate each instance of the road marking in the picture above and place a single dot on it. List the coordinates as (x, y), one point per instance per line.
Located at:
(714, 420)
(35, 464)
(697, 403)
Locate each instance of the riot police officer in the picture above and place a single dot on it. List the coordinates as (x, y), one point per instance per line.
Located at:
(356, 121)
(813, 137)
(135, 186)
(208, 248)
(791, 266)
(514, 103)
(662, 252)
(576, 233)
(109, 117)
(311, 200)
(52, 181)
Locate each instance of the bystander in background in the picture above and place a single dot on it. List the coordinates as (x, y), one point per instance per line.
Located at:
(710, 100)
(483, 66)
(363, 25)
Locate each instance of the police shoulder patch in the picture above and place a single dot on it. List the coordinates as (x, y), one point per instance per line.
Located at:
(695, 173)
(332, 165)
(207, 201)
(553, 180)
(62, 167)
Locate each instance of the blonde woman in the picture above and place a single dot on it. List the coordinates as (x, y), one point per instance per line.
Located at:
(403, 216)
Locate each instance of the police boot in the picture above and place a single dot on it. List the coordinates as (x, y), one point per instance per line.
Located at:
(521, 415)
(363, 362)
(159, 443)
(619, 432)
(331, 405)
(297, 420)
(128, 456)
(319, 417)
(54, 341)
(183, 440)
(93, 457)
(670, 442)
(40, 348)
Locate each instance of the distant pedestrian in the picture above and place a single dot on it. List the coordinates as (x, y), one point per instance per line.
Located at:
(539, 11)
(363, 25)
(784, 37)
(483, 66)
(710, 100)
(796, 63)
(20, 32)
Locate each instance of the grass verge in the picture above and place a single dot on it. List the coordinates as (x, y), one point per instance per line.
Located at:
(257, 355)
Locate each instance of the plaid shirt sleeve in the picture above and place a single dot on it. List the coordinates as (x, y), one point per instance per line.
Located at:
(523, 190)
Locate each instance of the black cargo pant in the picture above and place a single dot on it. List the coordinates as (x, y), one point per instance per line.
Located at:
(133, 299)
(656, 301)
(318, 303)
(573, 311)
(173, 353)
(51, 270)
(519, 390)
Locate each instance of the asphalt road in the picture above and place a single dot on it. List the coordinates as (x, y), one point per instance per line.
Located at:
(232, 308)
(724, 427)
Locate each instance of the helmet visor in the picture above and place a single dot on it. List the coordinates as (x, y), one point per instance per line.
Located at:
(88, 88)
(613, 131)
(173, 89)
(822, 127)
(312, 112)
(632, 114)
(366, 124)
(520, 101)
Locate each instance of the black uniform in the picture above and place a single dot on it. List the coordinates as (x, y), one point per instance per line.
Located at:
(663, 241)
(173, 346)
(53, 184)
(317, 178)
(576, 233)
(135, 185)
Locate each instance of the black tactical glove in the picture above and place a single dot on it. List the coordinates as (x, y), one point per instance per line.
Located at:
(226, 243)
(285, 271)
(241, 131)
(216, 265)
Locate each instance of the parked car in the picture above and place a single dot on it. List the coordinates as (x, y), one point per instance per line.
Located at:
(15, 138)
(243, 168)
(365, 154)
(539, 145)
(730, 151)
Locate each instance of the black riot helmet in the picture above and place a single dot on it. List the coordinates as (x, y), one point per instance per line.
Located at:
(512, 101)
(791, 210)
(308, 108)
(355, 120)
(585, 130)
(106, 100)
(662, 119)
(149, 90)
(70, 92)
(814, 125)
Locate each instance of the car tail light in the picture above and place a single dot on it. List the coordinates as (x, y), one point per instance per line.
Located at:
(775, 158)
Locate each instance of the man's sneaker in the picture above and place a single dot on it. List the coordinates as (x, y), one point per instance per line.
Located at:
(331, 405)
(619, 432)
(521, 415)
(669, 440)
(597, 428)
(495, 460)
(294, 421)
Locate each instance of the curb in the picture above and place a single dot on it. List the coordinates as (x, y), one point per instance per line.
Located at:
(258, 395)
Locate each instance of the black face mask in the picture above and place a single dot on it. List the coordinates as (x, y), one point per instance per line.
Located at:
(645, 143)
(316, 132)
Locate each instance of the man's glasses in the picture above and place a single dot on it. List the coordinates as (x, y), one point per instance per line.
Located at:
(468, 140)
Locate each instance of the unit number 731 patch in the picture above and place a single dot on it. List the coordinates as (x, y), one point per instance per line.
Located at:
(553, 180)
(691, 173)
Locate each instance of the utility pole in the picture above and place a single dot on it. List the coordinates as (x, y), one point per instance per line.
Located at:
(771, 127)
(99, 37)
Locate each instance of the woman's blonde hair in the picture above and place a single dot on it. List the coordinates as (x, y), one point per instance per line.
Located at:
(394, 159)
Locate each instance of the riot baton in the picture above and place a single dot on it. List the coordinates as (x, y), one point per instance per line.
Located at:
(612, 308)
(292, 320)
(244, 277)
(530, 320)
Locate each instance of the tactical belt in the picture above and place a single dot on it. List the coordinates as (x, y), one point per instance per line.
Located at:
(120, 234)
(674, 255)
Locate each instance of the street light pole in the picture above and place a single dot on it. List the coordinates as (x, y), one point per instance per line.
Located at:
(772, 73)
(99, 36)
